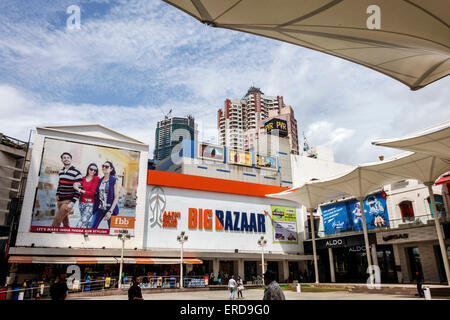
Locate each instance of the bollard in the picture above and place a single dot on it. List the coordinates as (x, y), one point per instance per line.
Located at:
(427, 293)
(299, 288)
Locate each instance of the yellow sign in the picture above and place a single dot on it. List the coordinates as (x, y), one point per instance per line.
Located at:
(107, 282)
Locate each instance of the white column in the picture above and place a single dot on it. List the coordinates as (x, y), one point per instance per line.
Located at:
(366, 236)
(216, 267)
(330, 255)
(285, 265)
(397, 262)
(316, 268)
(240, 270)
(439, 231)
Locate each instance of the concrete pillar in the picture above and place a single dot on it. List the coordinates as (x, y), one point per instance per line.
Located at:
(216, 267)
(397, 262)
(240, 268)
(330, 254)
(374, 254)
(285, 268)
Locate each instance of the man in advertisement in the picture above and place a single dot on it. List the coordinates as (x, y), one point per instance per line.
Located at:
(66, 195)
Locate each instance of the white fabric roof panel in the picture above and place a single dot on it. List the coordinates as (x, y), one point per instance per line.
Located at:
(433, 141)
(412, 44)
(367, 178)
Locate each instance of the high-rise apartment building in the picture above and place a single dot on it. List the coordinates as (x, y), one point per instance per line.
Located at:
(239, 116)
(240, 120)
(170, 132)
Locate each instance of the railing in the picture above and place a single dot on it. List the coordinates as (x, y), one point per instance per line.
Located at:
(43, 291)
(417, 221)
(12, 142)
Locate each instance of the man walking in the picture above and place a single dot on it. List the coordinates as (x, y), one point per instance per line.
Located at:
(232, 287)
(66, 195)
(419, 280)
(273, 290)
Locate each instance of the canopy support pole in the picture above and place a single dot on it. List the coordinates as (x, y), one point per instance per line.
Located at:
(313, 235)
(439, 231)
(366, 238)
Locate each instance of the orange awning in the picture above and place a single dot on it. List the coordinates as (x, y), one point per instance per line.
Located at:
(98, 260)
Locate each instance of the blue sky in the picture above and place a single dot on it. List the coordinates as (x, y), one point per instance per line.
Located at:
(133, 60)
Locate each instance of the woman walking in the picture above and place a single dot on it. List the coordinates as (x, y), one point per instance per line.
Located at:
(87, 189)
(240, 287)
(106, 196)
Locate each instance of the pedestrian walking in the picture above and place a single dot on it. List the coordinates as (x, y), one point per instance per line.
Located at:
(419, 280)
(240, 287)
(273, 290)
(135, 292)
(232, 287)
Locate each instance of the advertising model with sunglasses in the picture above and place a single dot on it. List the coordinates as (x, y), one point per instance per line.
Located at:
(103, 201)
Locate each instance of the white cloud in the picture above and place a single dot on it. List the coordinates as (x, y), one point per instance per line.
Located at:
(155, 57)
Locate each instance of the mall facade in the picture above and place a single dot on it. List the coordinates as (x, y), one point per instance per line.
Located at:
(223, 219)
(218, 198)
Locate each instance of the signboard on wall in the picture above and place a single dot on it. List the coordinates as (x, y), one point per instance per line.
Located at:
(86, 188)
(210, 152)
(335, 218)
(284, 221)
(239, 157)
(280, 125)
(346, 215)
(214, 221)
(266, 162)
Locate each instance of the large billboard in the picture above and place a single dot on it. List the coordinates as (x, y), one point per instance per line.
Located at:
(284, 221)
(210, 152)
(86, 188)
(243, 158)
(266, 162)
(346, 216)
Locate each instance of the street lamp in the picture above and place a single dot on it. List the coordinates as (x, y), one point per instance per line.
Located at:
(123, 238)
(182, 238)
(262, 243)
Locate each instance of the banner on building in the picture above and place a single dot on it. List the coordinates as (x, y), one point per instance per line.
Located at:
(284, 220)
(335, 218)
(210, 152)
(375, 209)
(266, 162)
(347, 216)
(86, 188)
(242, 158)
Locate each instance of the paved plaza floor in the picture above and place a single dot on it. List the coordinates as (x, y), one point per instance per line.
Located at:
(256, 294)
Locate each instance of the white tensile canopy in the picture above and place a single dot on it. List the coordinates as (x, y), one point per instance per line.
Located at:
(407, 40)
(434, 141)
(310, 195)
(367, 178)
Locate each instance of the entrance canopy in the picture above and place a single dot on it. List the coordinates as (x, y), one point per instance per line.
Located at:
(367, 178)
(98, 260)
(406, 40)
(434, 141)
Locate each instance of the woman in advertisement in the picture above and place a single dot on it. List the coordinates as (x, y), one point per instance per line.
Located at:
(107, 196)
(87, 189)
